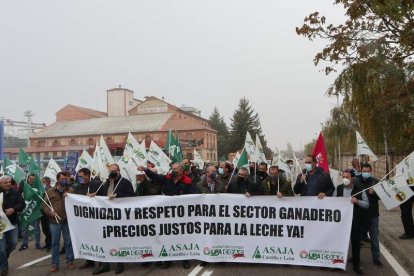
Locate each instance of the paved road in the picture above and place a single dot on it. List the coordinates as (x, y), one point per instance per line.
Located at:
(18, 259)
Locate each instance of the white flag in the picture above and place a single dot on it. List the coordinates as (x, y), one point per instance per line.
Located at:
(106, 158)
(396, 191)
(128, 169)
(135, 151)
(236, 159)
(198, 160)
(159, 158)
(250, 148)
(336, 177)
(363, 149)
(260, 153)
(279, 160)
(85, 161)
(97, 164)
(52, 170)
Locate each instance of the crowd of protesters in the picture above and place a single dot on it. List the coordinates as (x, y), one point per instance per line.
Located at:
(185, 178)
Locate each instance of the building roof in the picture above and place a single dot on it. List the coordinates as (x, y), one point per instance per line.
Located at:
(107, 125)
(91, 112)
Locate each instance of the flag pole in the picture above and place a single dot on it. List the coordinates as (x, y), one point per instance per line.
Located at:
(297, 162)
(231, 177)
(379, 182)
(48, 199)
(43, 200)
(278, 186)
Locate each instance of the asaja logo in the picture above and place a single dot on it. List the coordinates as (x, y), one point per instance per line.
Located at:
(190, 249)
(274, 253)
(87, 249)
(223, 251)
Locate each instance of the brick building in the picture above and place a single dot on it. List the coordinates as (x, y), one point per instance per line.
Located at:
(77, 128)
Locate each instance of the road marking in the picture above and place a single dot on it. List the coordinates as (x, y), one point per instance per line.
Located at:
(393, 262)
(35, 261)
(195, 271)
(207, 273)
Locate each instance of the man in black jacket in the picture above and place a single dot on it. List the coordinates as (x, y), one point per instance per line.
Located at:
(83, 185)
(114, 187)
(242, 184)
(313, 181)
(367, 182)
(12, 203)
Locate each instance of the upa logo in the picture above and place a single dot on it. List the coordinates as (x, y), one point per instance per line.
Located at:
(323, 256)
(181, 249)
(282, 253)
(224, 252)
(132, 253)
(92, 250)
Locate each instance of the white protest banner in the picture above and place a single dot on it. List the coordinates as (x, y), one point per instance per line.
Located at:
(336, 177)
(212, 228)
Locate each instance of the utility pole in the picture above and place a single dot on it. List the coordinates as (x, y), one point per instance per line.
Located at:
(29, 116)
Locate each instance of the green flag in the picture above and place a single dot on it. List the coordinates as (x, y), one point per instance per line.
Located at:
(27, 161)
(178, 155)
(10, 168)
(173, 148)
(32, 196)
(243, 159)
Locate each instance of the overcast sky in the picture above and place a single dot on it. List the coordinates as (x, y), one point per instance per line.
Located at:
(197, 53)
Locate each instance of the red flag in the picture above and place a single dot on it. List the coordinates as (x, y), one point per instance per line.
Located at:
(319, 152)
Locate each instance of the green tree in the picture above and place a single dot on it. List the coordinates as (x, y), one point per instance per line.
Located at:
(370, 26)
(217, 122)
(246, 120)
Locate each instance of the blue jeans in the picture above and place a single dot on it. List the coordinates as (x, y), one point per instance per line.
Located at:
(7, 245)
(25, 233)
(373, 234)
(55, 231)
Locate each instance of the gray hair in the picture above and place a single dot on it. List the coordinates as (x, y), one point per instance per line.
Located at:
(5, 177)
(179, 165)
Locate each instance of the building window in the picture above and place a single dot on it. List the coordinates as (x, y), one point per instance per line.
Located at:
(72, 142)
(56, 143)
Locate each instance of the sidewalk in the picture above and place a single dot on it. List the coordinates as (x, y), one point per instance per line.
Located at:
(390, 228)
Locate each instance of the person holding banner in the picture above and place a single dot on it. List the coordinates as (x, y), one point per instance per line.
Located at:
(115, 186)
(367, 181)
(54, 207)
(361, 203)
(210, 183)
(224, 171)
(276, 184)
(242, 184)
(12, 203)
(172, 184)
(83, 185)
(313, 181)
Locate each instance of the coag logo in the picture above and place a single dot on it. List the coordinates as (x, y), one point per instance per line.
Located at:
(131, 253)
